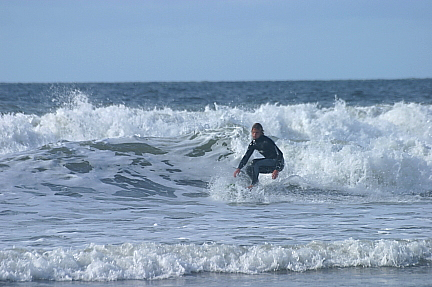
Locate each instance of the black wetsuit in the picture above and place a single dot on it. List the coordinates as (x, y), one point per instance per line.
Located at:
(273, 158)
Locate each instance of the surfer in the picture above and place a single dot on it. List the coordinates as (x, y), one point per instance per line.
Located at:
(273, 161)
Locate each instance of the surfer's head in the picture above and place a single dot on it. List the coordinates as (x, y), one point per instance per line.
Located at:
(257, 131)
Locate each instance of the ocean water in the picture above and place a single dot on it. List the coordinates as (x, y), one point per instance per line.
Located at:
(131, 184)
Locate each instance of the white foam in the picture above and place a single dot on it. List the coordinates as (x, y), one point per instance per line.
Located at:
(342, 147)
(159, 261)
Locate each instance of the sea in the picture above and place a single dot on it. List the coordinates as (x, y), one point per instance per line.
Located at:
(131, 184)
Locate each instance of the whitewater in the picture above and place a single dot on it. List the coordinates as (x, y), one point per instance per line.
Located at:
(132, 183)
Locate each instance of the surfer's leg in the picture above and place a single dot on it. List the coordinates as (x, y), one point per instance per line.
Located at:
(261, 165)
(264, 166)
(255, 173)
(251, 172)
(258, 166)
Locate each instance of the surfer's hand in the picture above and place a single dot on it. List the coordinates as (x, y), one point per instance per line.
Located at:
(275, 174)
(236, 172)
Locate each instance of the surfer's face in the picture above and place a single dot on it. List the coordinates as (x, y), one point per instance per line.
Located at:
(256, 133)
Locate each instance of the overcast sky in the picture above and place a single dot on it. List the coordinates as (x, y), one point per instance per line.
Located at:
(211, 40)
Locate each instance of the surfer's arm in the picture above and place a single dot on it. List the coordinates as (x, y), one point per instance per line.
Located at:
(247, 155)
(245, 158)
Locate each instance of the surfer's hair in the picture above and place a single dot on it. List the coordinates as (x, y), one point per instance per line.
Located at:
(258, 126)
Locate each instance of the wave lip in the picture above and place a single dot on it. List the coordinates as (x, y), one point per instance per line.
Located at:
(147, 261)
